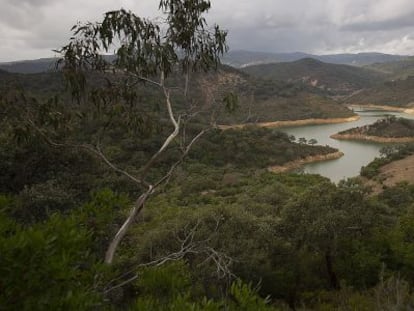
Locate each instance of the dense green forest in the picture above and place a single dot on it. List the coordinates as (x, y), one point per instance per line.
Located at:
(118, 192)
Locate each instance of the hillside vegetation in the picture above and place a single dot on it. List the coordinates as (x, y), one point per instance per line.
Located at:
(333, 78)
(390, 127)
(395, 70)
(259, 100)
(266, 100)
(398, 93)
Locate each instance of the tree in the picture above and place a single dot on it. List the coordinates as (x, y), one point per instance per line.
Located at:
(107, 88)
(302, 140)
(312, 141)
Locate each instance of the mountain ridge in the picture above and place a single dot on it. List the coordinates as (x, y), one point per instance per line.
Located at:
(235, 58)
(243, 58)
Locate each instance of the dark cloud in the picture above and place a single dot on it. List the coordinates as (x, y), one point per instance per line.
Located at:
(33, 28)
(405, 21)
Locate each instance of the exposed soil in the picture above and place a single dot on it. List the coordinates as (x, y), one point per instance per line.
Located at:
(289, 166)
(392, 174)
(276, 124)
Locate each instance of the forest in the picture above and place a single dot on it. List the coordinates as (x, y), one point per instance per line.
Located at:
(119, 192)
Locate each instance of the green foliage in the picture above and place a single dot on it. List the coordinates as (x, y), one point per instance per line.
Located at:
(170, 288)
(252, 147)
(47, 265)
(398, 93)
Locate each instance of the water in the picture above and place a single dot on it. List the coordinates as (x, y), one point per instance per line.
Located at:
(356, 153)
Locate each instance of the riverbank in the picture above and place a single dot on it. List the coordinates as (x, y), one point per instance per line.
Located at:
(289, 166)
(277, 124)
(377, 139)
(383, 107)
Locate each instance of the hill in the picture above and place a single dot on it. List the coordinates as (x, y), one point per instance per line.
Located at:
(30, 66)
(266, 100)
(237, 58)
(399, 93)
(260, 100)
(396, 70)
(389, 130)
(240, 58)
(336, 79)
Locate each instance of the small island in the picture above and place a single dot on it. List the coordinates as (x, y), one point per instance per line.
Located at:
(388, 130)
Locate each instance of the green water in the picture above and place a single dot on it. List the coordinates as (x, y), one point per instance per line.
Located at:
(356, 153)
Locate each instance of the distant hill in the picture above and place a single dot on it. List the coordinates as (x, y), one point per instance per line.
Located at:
(242, 59)
(237, 58)
(396, 70)
(30, 66)
(399, 93)
(338, 79)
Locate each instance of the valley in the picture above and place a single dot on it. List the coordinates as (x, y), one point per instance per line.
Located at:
(153, 169)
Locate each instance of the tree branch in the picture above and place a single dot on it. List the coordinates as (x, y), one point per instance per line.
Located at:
(170, 138)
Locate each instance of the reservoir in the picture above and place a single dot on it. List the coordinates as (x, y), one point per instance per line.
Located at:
(356, 153)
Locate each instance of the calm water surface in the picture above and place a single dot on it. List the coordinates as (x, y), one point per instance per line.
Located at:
(356, 154)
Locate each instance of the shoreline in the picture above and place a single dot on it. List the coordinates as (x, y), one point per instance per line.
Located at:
(276, 124)
(377, 139)
(383, 107)
(298, 163)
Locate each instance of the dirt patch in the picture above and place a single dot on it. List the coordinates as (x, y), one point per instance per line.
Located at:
(392, 174)
(276, 124)
(298, 163)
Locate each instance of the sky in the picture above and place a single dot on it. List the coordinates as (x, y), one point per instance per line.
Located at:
(31, 29)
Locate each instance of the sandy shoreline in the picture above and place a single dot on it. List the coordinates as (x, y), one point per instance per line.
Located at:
(383, 107)
(276, 124)
(298, 163)
(377, 139)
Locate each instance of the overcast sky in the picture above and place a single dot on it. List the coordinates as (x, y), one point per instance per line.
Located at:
(32, 28)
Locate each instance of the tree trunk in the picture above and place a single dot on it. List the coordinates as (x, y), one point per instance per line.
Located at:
(139, 204)
(333, 280)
